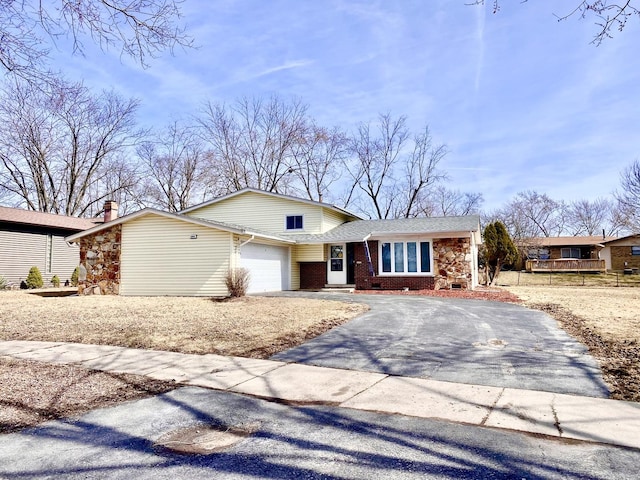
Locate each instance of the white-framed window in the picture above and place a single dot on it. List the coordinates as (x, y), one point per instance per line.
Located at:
(294, 222)
(48, 261)
(635, 251)
(405, 257)
(570, 252)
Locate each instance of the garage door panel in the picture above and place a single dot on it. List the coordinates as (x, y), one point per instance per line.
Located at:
(268, 267)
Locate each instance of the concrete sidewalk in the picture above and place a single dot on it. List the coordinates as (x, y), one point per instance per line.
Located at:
(557, 415)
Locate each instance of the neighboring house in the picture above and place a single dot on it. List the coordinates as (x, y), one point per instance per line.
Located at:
(565, 253)
(286, 243)
(622, 253)
(29, 239)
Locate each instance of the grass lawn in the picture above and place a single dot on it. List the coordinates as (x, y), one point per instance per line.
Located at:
(32, 392)
(250, 327)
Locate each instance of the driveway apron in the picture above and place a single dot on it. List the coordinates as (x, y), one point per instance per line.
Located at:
(466, 341)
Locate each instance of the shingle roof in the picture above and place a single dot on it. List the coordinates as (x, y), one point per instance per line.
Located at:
(29, 217)
(358, 230)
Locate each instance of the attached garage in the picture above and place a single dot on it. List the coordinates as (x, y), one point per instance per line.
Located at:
(268, 267)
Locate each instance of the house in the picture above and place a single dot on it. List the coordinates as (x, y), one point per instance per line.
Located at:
(29, 239)
(286, 243)
(622, 254)
(575, 254)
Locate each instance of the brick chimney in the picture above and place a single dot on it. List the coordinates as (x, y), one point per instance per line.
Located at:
(110, 211)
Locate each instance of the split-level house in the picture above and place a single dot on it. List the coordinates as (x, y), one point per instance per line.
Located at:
(286, 243)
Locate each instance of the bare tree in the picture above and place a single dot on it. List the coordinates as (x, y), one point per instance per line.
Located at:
(591, 218)
(376, 157)
(317, 157)
(58, 144)
(392, 169)
(609, 16)
(443, 202)
(531, 214)
(420, 174)
(628, 197)
(253, 141)
(140, 29)
(176, 168)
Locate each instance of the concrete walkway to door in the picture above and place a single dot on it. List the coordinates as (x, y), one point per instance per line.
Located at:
(454, 340)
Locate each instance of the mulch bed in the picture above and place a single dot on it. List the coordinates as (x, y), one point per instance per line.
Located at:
(480, 293)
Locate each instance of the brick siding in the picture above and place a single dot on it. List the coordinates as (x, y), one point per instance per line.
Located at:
(621, 255)
(313, 275)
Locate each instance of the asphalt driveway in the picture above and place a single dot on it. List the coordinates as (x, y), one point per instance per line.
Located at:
(455, 340)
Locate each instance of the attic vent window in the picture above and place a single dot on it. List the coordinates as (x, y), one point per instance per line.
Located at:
(294, 222)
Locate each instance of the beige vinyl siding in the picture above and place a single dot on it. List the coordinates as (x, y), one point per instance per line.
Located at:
(261, 212)
(294, 276)
(331, 219)
(65, 258)
(159, 257)
(19, 251)
(311, 253)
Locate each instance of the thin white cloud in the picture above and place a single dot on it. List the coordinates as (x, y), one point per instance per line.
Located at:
(280, 68)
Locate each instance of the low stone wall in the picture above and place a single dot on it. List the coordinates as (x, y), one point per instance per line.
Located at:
(100, 257)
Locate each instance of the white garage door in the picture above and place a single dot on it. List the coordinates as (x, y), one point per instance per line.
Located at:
(268, 266)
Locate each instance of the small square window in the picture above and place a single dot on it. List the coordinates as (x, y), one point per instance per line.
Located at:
(294, 222)
(635, 251)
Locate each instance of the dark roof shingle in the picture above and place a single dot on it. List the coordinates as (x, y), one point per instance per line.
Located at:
(29, 217)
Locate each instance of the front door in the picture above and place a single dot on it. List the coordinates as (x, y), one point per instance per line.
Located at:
(336, 269)
(351, 264)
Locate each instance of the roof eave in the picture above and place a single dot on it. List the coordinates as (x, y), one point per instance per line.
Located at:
(176, 216)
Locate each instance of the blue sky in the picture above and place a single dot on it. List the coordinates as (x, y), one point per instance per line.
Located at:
(522, 101)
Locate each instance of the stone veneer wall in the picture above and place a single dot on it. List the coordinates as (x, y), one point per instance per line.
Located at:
(452, 262)
(100, 256)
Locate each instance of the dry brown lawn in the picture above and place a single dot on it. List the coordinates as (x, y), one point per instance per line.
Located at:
(33, 392)
(604, 319)
(250, 326)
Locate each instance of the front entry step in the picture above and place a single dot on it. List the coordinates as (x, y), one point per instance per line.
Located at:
(341, 288)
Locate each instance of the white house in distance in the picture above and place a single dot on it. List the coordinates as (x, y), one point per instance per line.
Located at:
(286, 243)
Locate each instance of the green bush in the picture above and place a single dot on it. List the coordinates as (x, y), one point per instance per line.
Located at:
(34, 279)
(55, 281)
(237, 281)
(3, 283)
(74, 277)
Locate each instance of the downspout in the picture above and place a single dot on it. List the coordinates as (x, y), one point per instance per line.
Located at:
(247, 241)
(372, 272)
(236, 260)
(474, 261)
